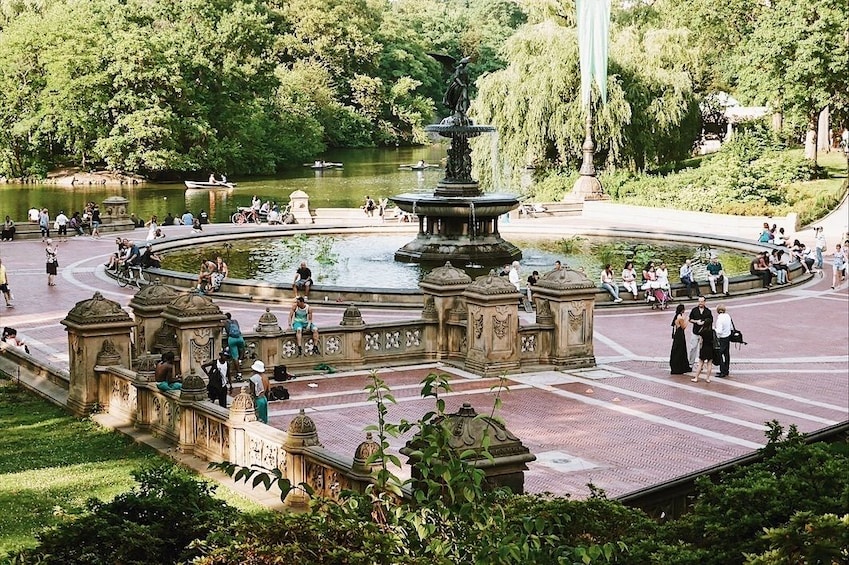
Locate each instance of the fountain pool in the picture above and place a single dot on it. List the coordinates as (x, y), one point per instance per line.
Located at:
(368, 260)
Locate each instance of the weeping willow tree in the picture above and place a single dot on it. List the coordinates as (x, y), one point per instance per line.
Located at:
(651, 115)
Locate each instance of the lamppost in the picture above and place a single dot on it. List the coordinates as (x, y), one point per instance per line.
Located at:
(593, 26)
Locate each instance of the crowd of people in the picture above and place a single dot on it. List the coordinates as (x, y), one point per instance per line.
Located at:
(710, 342)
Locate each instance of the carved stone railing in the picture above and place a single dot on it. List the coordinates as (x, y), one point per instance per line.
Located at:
(212, 433)
(344, 347)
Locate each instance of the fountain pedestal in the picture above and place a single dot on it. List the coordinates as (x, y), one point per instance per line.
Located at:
(458, 222)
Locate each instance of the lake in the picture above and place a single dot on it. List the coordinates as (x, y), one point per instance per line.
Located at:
(372, 172)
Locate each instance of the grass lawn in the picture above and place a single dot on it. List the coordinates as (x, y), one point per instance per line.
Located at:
(814, 199)
(51, 463)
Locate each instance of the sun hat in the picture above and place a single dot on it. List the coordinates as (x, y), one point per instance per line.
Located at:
(258, 366)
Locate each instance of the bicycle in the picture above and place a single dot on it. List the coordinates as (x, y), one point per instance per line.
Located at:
(246, 215)
(134, 274)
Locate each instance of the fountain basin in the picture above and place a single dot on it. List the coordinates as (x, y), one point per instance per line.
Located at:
(463, 229)
(484, 206)
(469, 130)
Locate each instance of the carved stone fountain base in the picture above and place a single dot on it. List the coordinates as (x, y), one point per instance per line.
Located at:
(458, 229)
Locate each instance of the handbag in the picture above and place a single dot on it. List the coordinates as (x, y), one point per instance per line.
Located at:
(736, 335)
(716, 345)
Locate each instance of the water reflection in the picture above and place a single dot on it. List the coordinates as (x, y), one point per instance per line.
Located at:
(367, 171)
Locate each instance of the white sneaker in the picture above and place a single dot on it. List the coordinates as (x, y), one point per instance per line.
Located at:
(618, 300)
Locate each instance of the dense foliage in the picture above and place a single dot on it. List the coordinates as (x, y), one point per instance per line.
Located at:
(249, 87)
(244, 87)
(651, 114)
(751, 174)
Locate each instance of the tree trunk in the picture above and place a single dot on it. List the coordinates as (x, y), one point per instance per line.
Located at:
(811, 138)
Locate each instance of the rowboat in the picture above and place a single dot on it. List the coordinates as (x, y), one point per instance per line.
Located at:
(321, 165)
(207, 185)
(419, 167)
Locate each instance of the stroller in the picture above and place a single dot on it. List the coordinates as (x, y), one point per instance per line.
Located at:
(656, 295)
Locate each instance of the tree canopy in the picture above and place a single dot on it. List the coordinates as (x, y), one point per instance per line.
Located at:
(650, 117)
(249, 87)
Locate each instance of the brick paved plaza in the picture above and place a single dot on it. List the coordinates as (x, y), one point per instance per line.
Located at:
(623, 425)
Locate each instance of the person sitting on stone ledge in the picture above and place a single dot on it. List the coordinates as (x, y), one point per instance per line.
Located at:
(166, 374)
(10, 337)
(207, 270)
(300, 319)
(303, 280)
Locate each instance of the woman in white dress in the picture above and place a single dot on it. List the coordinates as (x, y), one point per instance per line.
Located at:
(629, 279)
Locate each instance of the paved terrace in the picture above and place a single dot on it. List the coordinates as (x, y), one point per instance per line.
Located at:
(623, 425)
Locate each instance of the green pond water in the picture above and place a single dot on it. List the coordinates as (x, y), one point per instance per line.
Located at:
(367, 260)
(372, 172)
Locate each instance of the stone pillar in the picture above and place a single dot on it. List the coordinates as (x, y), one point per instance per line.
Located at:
(194, 390)
(97, 328)
(443, 289)
(566, 299)
(353, 340)
(196, 321)
(268, 332)
(302, 433)
(241, 410)
(148, 305)
(492, 327)
(465, 430)
(115, 210)
(299, 201)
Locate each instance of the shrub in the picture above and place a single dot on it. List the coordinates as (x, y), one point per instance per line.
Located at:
(730, 515)
(153, 523)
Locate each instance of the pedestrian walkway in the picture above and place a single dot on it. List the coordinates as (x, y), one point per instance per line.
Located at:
(623, 425)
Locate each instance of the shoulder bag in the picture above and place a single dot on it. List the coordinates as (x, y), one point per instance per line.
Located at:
(736, 335)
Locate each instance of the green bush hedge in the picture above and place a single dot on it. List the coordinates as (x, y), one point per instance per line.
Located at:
(752, 175)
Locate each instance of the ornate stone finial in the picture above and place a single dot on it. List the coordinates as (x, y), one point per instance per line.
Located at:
(108, 354)
(268, 323)
(492, 284)
(364, 451)
(243, 409)
(447, 275)
(96, 310)
(352, 317)
(166, 339)
(155, 294)
(193, 305)
(467, 430)
(564, 279)
(302, 432)
(194, 387)
(145, 366)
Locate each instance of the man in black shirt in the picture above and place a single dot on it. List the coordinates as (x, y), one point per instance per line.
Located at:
(698, 317)
(303, 280)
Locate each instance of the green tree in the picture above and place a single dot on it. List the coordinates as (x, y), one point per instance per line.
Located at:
(650, 117)
(806, 539)
(796, 60)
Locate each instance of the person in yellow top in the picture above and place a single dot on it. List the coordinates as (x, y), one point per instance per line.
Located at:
(4, 286)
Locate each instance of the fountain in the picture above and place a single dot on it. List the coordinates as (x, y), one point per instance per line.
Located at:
(458, 222)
